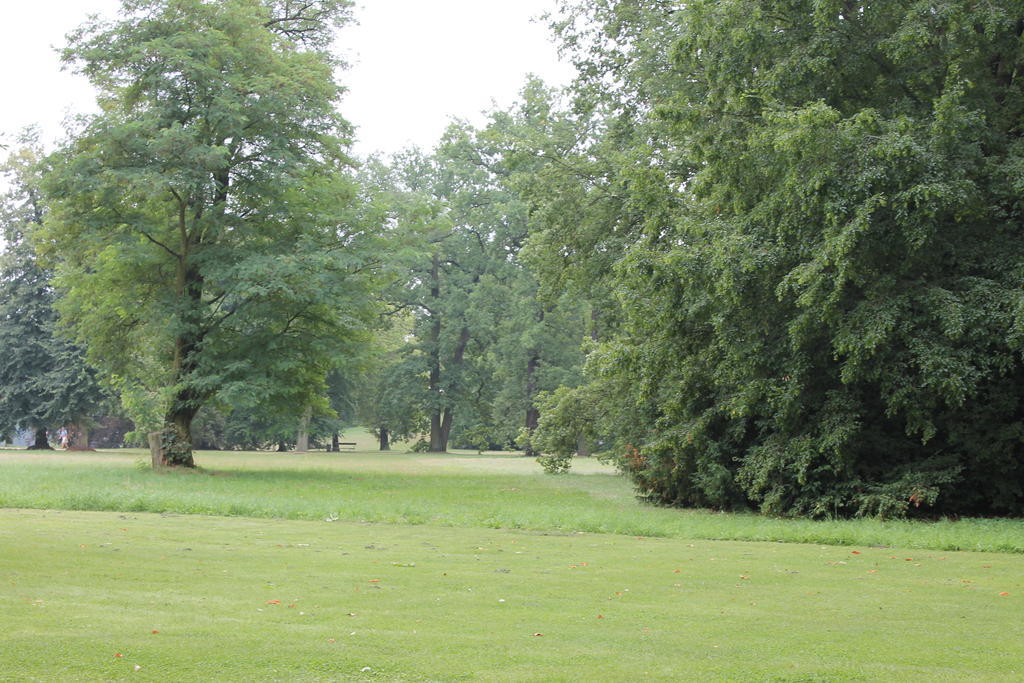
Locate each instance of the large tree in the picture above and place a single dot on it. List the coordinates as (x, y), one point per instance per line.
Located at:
(822, 308)
(204, 226)
(45, 382)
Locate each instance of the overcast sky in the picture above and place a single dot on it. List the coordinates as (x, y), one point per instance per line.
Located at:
(415, 64)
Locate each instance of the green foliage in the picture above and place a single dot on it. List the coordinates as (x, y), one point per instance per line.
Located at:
(44, 380)
(382, 401)
(813, 244)
(479, 348)
(210, 242)
(567, 417)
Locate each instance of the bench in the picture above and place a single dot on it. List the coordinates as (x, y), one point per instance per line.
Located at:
(346, 445)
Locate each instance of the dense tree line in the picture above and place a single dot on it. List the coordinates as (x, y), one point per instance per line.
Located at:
(813, 228)
(763, 255)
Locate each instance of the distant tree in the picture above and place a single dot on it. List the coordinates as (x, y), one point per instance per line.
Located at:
(452, 248)
(387, 389)
(485, 339)
(205, 227)
(45, 382)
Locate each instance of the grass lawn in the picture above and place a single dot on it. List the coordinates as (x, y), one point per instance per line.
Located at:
(237, 599)
(363, 566)
(463, 490)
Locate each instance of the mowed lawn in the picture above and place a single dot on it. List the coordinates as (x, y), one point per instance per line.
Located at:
(367, 566)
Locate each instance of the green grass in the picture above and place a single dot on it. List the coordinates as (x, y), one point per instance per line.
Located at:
(489, 491)
(363, 566)
(400, 602)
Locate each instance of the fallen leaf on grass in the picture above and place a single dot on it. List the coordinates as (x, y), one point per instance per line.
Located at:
(118, 655)
(538, 634)
(154, 631)
(855, 552)
(1004, 594)
(600, 616)
(374, 581)
(273, 602)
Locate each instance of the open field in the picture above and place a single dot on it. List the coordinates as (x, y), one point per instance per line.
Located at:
(92, 595)
(491, 491)
(363, 566)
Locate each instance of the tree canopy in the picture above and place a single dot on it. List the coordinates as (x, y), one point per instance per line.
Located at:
(45, 382)
(821, 290)
(204, 226)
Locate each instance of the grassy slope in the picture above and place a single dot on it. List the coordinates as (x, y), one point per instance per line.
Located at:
(435, 603)
(459, 491)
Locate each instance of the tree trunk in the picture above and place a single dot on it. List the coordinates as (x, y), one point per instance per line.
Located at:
(385, 444)
(532, 414)
(335, 446)
(582, 447)
(156, 449)
(41, 444)
(447, 416)
(302, 440)
(282, 447)
(80, 438)
(437, 444)
(176, 439)
(446, 427)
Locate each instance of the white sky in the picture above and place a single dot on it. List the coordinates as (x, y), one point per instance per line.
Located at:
(415, 64)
